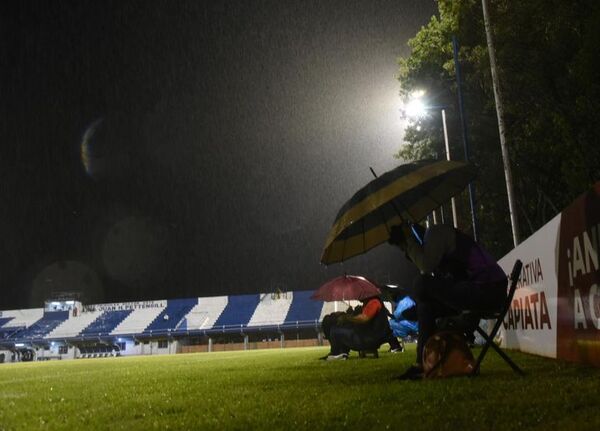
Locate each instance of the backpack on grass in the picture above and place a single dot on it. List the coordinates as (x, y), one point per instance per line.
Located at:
(447, 354)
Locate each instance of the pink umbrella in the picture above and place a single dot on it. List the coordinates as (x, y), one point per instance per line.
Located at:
(346, 288)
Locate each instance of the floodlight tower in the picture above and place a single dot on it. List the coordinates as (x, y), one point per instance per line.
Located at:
(417, 108)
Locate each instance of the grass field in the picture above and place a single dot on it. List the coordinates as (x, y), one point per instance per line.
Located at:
(290, 389)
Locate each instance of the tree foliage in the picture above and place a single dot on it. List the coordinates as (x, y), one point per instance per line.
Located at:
(548, 66)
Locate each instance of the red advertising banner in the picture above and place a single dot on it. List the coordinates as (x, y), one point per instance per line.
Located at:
(578, 326)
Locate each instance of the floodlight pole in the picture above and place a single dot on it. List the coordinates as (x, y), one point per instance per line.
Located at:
(501, 129)
(454, 218)
(463, 123)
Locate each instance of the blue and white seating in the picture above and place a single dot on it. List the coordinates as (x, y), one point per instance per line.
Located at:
(204, 314)
(208, 315)
(39, 329)
(105, 323)
(237, 313)
(170, 318)
(138, 320)
(74, 325)
(303, 312)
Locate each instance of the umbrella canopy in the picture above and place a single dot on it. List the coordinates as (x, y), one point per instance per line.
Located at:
(406, 193)
(346, 288)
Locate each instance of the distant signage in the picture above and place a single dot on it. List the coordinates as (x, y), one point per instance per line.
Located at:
(137, 305)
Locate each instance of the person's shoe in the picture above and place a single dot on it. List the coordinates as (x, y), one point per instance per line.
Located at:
(412, 373)
(323, 358)
(397, 348)
(340, 357)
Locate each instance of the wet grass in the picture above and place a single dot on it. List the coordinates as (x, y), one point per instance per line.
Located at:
(291, 389)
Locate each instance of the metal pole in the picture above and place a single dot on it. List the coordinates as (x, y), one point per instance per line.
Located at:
(501, 129)
(463, 123)
(454, 218)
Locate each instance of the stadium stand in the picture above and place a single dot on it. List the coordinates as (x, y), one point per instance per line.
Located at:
(74, 325)
(164, 326)
(204, 314)
(106, 322)
(49, 321)
(171, 316)
(6, 330)
(5, 320)
(303, 310)
(137, 321)
(22, 318)
(271, 310)
(237, 313)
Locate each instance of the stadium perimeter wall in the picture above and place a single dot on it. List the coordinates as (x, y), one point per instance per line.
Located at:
(556, 308)
(225, 347)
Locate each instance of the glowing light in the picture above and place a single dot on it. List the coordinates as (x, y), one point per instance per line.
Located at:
(415, 109)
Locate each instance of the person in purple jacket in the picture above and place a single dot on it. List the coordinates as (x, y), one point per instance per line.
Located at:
(456, 274)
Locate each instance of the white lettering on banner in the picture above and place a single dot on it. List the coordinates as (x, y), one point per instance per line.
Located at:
(592, 302)
(583, 260)
(578, 313)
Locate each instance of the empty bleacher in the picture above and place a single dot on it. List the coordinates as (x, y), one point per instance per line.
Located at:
(191, 321)
(106, 322)
(171, 316)
(49, 321)
(5, 320)
(7, 331)
(74, 325)
(22, 318)
(271, 310)
(137, 321)
(204, 314)
(237, 313)
(304, 312)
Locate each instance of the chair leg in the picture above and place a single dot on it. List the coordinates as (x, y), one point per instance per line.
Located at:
(484, 350)
(489, 342)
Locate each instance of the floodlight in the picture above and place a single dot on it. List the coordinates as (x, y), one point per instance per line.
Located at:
(415, 108)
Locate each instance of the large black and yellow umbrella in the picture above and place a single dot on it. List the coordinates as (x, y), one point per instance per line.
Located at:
(407, 193)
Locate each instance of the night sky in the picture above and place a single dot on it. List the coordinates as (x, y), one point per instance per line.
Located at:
(169, 149)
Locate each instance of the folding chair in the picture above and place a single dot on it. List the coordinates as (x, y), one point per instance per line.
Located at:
(499, 316)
